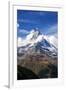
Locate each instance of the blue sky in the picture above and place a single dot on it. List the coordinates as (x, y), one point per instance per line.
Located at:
(45, 21)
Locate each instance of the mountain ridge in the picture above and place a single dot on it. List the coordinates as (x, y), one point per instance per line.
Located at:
(36, 42)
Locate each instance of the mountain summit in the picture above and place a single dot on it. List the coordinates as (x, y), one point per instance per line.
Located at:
(35, 42)
(33, 35)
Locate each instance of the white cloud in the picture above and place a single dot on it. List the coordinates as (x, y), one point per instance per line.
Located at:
(21, 42)
(52, 30)
(53, 35)
(17, 24)
(23, 31)
(26, 21)
(53, 40)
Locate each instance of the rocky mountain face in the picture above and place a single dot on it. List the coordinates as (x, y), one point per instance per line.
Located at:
(38, 54)
(36, 42)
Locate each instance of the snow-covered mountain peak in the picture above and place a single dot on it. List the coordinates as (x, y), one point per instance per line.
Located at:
(39, 38)
(33, 35)
(35, 41)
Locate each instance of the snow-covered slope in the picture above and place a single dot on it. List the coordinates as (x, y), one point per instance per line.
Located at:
(35, 42)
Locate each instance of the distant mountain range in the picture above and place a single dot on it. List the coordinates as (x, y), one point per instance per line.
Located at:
(36, 42)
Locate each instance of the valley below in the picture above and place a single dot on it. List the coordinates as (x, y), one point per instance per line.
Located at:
(41, 65)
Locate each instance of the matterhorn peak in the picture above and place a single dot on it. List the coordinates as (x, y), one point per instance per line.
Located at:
(32, 31)
(35, 30)
(33, 34)
(38, 41)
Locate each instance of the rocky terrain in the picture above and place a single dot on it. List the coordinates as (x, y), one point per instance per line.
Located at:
(37, 58)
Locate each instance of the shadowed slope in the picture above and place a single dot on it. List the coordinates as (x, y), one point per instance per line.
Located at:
(24, 73)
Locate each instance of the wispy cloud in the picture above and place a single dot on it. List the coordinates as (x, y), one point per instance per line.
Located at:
(37, 13)
(26, 21)
(17, 25)
(52, 29)
(23, 31)
(42, 13)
